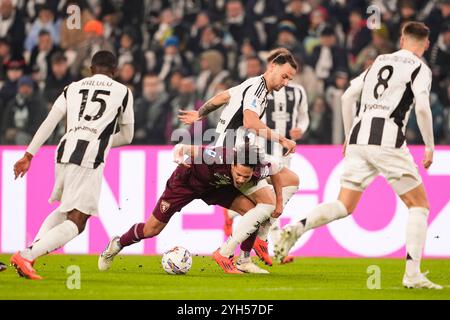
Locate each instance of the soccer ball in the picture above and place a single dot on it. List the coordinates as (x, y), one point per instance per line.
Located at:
(177, 260)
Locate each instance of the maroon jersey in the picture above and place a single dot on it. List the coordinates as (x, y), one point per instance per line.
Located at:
(208, 178)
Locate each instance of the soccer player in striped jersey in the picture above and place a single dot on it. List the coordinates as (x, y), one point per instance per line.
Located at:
(93, 108)
(240, 121)
(376, 144)
(287, 114)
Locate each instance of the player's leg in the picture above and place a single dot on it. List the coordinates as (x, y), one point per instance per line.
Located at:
(319, 216)
(400, 170)
(52, 240)
(290, 186)
(165, 208)
(250, 222)
(358, 173)
(78, 190)
(53, 219)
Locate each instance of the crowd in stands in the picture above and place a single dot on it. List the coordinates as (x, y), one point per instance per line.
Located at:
(177, 54)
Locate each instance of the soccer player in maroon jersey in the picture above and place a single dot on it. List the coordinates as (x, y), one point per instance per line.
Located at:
(213, 175)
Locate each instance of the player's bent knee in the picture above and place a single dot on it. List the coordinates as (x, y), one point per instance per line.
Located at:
(79, 218)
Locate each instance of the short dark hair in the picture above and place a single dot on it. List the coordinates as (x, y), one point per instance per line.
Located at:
(281, 56)
(104, 59)
(247, 155)
(415, 29)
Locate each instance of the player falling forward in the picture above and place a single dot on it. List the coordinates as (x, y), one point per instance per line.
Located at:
(215, 176)
(376, 144)
(287, 114)
(92, 108)
(245, 105)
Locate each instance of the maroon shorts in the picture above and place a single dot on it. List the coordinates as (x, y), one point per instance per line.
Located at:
(178, 194)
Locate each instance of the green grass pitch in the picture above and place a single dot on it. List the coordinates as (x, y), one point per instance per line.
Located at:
(142, 277)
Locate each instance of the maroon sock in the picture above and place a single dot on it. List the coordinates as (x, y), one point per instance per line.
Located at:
(134, 235)
(247, 244)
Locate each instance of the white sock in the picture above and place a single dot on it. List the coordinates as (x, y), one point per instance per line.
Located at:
(53, 219)
(263, 231)
(275, 230)
(52, 240)
(320, 215)
(273, 225)
(248, 224)
(416, 234)
(244, 256)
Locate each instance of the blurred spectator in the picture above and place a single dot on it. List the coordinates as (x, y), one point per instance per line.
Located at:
(168, 26)
(212, 72)
(41, 54)
(12, 26)
(286, 38)
(319, 130)
(170, 59)
(93, 42)
(14, 70)
(151, 110)
(440, 63)
(72, 37)
(318, 21)
(333, 98)
(5, 56)
(173, 83)
(255, 67)
(127, 76)
(210, 40)
(380, 44)
(412, 130)
(358, 36)
(239, 25)
(328, 56)
(129, 50)
(439, 17)
(306, 77)
(247, 51)
(23, 114)
(295, 12)
(57, 77)
(201, 22)
(185, 100)
(407, 11)
(45, 21)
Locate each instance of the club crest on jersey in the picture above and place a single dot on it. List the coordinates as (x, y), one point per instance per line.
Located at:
(223, 180)
(164, 206)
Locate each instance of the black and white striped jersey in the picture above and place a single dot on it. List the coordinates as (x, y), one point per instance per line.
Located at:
(249, 95)
(388, 91)
(287, 109)
(93, 107)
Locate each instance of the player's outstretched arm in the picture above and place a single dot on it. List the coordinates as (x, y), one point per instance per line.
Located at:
(45, 130)
(190, 116)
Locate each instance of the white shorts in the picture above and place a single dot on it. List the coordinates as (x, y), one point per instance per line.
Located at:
(77, 187)
(363, 163)
(250, 188)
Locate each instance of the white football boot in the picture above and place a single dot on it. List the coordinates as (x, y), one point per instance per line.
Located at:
(106, 258)
(419, 281)
(288, 237)
(247, 266)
